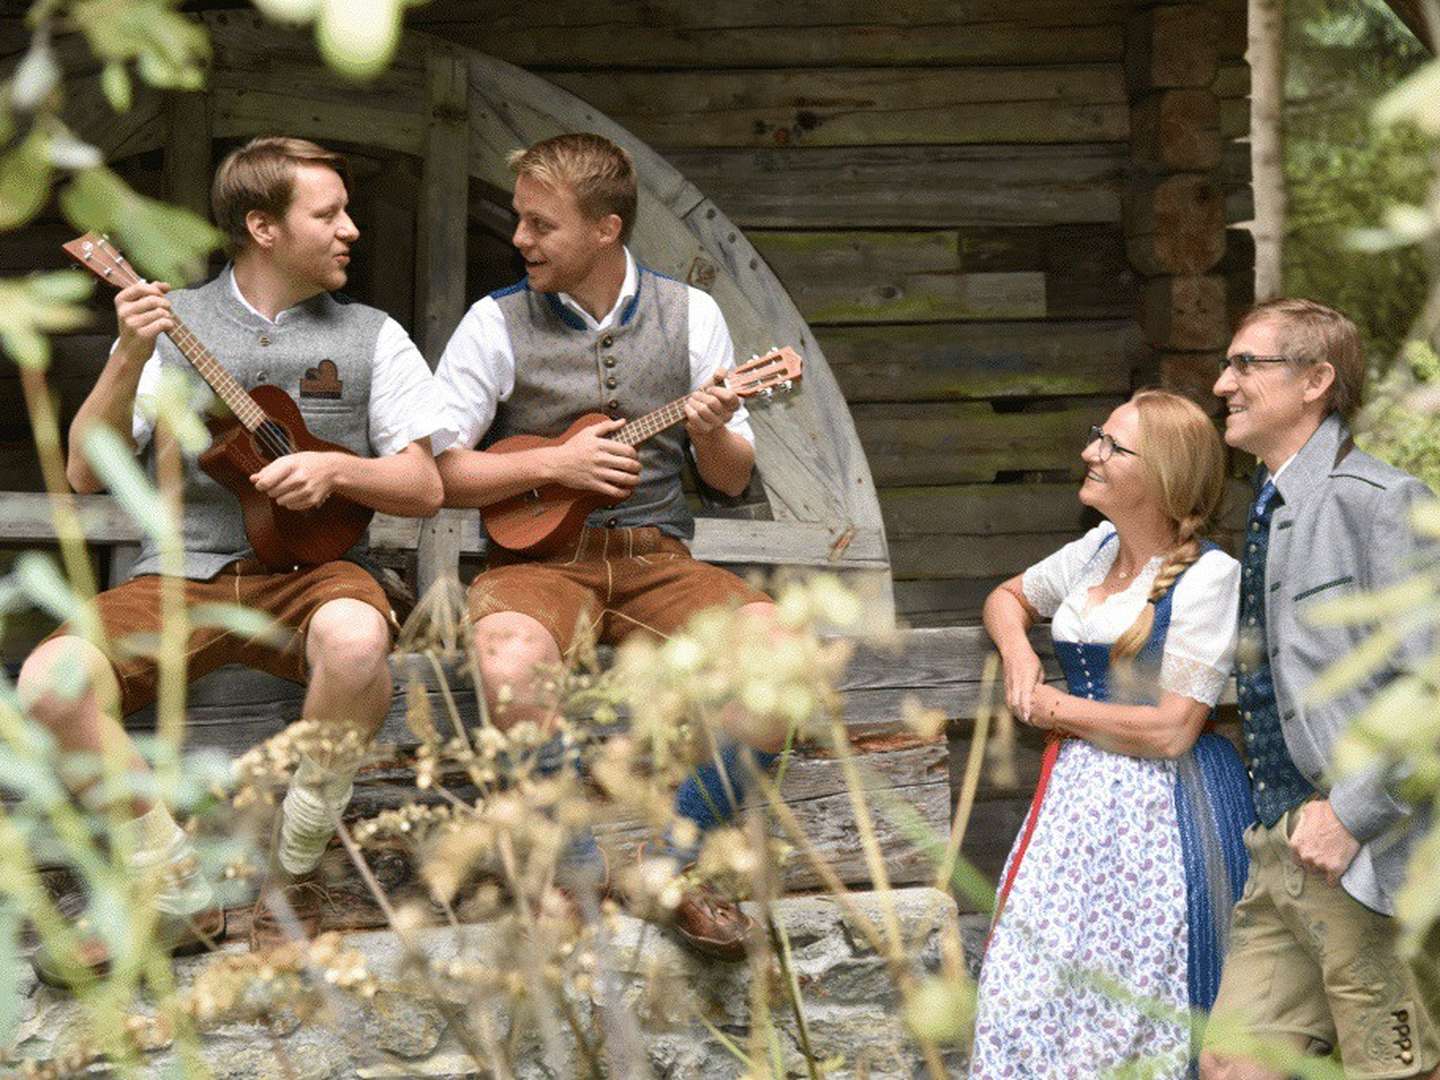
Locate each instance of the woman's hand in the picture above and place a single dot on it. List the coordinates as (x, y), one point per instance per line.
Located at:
(1023, 675)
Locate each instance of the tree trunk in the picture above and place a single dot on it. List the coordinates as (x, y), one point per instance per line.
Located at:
(1267, 142)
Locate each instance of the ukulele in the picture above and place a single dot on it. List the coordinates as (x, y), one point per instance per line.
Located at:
(544, 520)
(264, 424)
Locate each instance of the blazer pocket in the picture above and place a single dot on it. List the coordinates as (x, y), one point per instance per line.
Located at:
(1346, 580)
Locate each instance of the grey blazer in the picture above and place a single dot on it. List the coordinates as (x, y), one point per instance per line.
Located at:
(1343, 528)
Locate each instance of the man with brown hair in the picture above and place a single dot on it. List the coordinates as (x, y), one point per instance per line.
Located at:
(1312, 959)
(269, 318)
(587, 330)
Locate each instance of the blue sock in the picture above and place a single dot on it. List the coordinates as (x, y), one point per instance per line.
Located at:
(705, 795)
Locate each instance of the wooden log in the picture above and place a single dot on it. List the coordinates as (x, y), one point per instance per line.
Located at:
(984, 510)
(1238, 266)
(909, 186)
(187, 152)
(1176, 225)
(864, 106)
(1186, 313)
(965, 442)
(1193, 374)
(866, 277)
(1233, 38)
(956, 361)
(1177, 130)
(754, 34)
(1171, 45)
(931, 604)
(1234, 179)
(951, 556)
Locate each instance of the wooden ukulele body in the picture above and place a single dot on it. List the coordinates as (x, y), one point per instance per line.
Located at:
(281, 538)
(544, 520)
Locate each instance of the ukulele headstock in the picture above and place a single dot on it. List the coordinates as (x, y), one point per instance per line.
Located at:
(775, 372)
(95, 252)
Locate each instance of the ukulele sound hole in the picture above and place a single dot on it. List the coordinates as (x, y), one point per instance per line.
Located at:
(273, 440)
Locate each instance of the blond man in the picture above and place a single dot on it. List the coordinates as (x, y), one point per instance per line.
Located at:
(590, 330)
(270, 318)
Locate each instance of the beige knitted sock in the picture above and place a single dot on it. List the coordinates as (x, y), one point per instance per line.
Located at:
(157, 845)
(306, 816)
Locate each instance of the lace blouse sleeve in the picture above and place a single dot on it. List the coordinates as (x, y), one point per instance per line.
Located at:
(1048, 582)
(1204, 615)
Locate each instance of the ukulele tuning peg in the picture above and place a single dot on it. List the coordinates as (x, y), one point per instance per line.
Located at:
(788, 384)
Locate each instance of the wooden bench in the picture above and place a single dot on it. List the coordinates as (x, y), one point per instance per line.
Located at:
(235, 708)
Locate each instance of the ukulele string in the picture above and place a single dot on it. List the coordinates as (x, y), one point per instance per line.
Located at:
(277, 443)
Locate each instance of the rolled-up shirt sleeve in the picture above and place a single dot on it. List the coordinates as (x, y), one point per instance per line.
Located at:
(711, 349)
(476, 372)
(406, 404)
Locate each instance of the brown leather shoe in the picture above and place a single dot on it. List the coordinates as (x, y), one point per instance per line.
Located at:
(705, 920)
(711, 924)
(181, 935)
(307, 900)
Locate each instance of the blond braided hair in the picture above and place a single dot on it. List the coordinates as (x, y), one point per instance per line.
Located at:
(1182, 452)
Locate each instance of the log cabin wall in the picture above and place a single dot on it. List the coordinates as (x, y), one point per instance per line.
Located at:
(998, 216)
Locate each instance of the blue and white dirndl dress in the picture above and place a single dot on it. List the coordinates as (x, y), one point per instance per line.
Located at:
(1114, 926)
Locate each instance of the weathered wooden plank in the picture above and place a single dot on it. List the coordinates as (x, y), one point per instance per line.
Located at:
(932, 443)
(753, 34)
(187, 152)
(886, 186)
(950, 556)
(27, 519)
(954, 361)
(241, 111)
(141, 128)
(984, 510)
(444, 200)
(862, 106)
(927, 604)
(994, 273)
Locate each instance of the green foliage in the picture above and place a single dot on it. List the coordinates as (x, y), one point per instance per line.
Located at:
(1400, 424)
(37, 305)
(357, 39)
(168, 243)
(1344, 173)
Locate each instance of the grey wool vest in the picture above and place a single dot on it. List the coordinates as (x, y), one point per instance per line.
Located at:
(564, 370)
(320, 353)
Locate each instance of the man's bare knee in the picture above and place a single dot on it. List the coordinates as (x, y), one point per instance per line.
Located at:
(349, 639)
(509, 647)
(57, 680)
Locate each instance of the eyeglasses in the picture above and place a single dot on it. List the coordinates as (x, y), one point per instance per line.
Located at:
(1243, 363)
(1108, 445)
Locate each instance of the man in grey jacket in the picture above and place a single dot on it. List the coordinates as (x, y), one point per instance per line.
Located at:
(1312, 959)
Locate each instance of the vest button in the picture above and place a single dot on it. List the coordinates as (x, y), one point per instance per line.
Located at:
(610, 523)
(612, 382)
(609, 361)
(264, 340)
(261, 376)
(612, 404)
(607, 341)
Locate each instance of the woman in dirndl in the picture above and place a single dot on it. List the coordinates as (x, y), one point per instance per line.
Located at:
(1111, 918)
